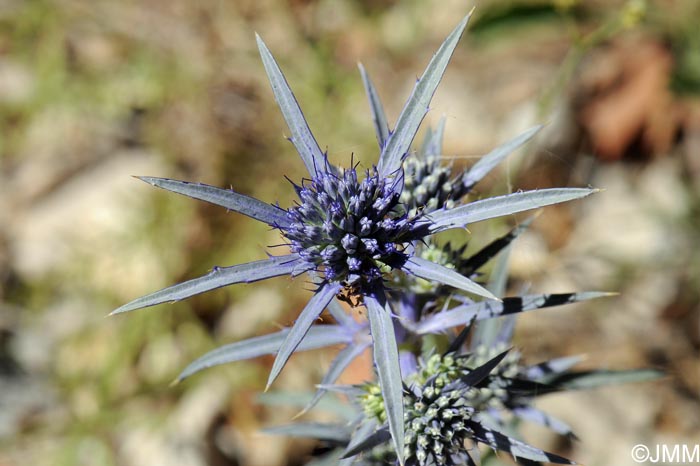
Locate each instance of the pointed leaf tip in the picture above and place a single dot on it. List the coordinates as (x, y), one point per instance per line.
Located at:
(308, 316)
(476, 375)
(227, 198)
(217, 278)
(491, 160)
(381, 127)
(499, 206)
(318, 336)
(301, 135)
(435, 272)
(418, 103)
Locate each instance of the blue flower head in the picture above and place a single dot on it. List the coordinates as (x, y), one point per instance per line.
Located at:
(352, 231)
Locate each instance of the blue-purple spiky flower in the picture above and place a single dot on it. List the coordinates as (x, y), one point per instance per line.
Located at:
(352, 231)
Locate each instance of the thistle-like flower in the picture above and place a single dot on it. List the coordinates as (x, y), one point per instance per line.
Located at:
(352, 232)
(350, 235)
(441, 415)
(429, 184)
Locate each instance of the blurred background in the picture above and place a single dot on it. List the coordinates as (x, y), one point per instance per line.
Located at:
(92, 92)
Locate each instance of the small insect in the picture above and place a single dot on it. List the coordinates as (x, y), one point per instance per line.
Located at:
(351, 295)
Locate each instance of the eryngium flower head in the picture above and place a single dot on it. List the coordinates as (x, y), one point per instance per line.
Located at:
(429, 185)
(436, 414)
(352, 231)
(505, 387)
(442, 406)
(441, 371)
(436, 425)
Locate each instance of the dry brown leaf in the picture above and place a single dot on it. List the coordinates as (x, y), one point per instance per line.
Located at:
(630, 102)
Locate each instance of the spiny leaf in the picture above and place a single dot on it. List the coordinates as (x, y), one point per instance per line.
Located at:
(462, 314)
(318, 336)
(435, 272)
(488, 162)
(499, 206)
(417, 105)
(217, 278)
(386, 361)
(381, 127)
(246, 205)
(308, 316)
(301, 135)
(480, 373)
(516, 448)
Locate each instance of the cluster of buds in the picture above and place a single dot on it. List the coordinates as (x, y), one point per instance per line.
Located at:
(351, 231)
(429, 185)
(441, 407)
(437, 423)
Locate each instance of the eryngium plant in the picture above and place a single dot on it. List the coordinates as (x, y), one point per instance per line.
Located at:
(352, 235)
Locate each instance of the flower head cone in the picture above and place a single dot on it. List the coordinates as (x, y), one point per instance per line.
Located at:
(442, 413)
(351, 231)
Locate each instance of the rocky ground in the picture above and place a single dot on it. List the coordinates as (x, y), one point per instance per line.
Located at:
(94, 92)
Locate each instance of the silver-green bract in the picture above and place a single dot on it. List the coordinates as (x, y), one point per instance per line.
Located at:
(351, 233)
